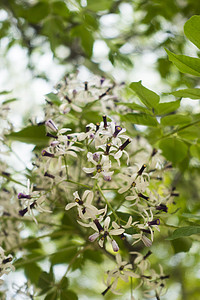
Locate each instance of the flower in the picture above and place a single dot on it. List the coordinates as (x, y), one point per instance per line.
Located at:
(5, 263)
(101, 167)
(138, 180)
(123, 270)
(106, 233)
(85, 209)
(149, 222)
(32, 199)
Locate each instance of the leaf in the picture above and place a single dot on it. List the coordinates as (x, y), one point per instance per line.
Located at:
(181, 245)
(140, 119)
(168, 107)
(187, 93)
(190, 133)
(32, 272)
(148, 97)
(60, 8)
(63, 257)
(185, 64)
(68, 295)
(195, 151)
(45, 280)
(191, 216)
(175, 119)
(91, 21)
(86, 38)
(9, 100)
(184, 231)
(30, 135)
(51, 296)
(37, 12)
(173, 149)
(5, 92)
(134, 106)
(64, 283)
(92, 117)
(53, 98)
(93, 255)
(192, 30)
(98, 5)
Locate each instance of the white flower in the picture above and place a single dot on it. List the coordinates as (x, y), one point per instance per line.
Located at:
(105, 232)
(115, 133)
(5, 263)
(85, 209)
(149, 222)
(101, 167)
(123, 270)
(141, 261)
(32, 199)
(141, 237)
(138, 180)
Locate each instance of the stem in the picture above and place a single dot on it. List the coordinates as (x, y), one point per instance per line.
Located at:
(131, 287)
(35, 239)
(177, 130)
(78, 183)
(74, 258)
(13, 180)
(65, 161)
(113, 211)
(40, 257)
(22, 219)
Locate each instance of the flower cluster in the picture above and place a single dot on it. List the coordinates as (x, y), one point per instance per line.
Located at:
(96, 171)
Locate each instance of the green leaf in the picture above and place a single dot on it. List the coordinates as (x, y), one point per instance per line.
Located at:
(5, 92)
(195, 150)
(190, 133)
(192, 30)
(60, 8)
(92, 117)
(91, 21)
(134, 106)
(168, 107)
(185, 64)
(32, 244)
(181, 245)
(86, 38)
(30, 135)
(184, 231)
(9, 100)
(191, 216)
(140, 119)
(175, 119)
(93, 255)
(148, 97)
(68, 295)
(64, 283)
(32, 271)
(63, 257)
(98, 5)
(187, 93)
(53, 98)
(51, 296)
(45, 280)
(37, 12)
(173, 149)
